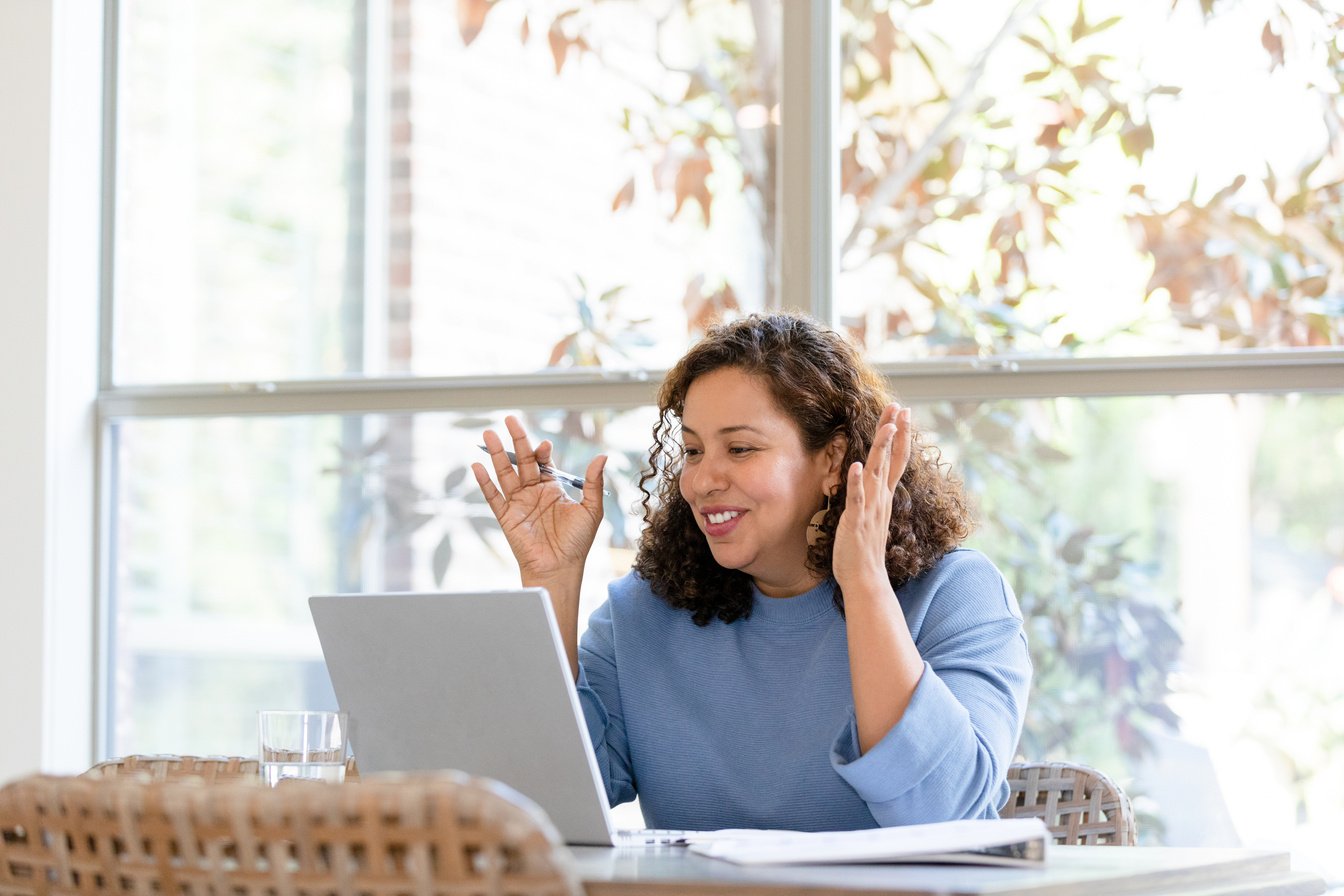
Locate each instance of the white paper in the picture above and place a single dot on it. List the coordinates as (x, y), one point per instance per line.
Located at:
(940, 841)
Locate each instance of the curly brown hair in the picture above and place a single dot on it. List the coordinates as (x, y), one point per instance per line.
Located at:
(826, 387)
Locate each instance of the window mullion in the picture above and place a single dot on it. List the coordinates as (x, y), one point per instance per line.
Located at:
(108, 191)
(809, 173)
(1268, 371)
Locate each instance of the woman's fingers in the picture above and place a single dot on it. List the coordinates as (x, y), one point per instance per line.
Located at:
(493, 497)
(525, 469)
(880, 464)
(592, 484)
(854, 493)
(528, 469)
(504, 470)
(543, 452)
(900, 449)
(890, 453)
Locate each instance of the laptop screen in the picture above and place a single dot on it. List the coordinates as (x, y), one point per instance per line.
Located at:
(476, 681)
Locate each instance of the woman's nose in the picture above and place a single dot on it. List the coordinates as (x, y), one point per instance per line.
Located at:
(707, 476)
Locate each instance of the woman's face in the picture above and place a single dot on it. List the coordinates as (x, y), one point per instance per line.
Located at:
(750, 482)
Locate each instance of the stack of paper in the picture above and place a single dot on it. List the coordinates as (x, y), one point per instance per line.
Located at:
(993, 841)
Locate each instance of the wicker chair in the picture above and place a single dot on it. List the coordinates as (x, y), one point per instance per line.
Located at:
(208, 768)
(427, 834)
(1080, 805)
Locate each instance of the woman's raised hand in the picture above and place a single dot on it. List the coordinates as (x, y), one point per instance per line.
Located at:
(549, 533)
(860, 553)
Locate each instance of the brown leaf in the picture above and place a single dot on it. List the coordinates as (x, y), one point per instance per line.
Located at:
(883, 44)
(625, 196)
(705, 311)
(1263, 308)
(899, 323)
(856, 328)
(471, 18)
(1273, 44)
(1314, 285)
(693, 295)
(850, 169)
(693, 183)
(559, 47)
(1137, 140)
(560, 350)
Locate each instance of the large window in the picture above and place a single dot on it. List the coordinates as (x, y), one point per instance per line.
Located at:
(1097, 246)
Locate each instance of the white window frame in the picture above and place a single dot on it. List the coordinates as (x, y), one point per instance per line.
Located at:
(50, 157)
(52, 245)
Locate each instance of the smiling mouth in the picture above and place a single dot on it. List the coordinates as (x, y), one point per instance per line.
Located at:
(719, 518)
(722, 523)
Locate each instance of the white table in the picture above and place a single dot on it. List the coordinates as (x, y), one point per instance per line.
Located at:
(1090, 870)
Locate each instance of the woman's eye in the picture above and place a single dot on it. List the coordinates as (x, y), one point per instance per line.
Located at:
(740, 450)
(689, 453)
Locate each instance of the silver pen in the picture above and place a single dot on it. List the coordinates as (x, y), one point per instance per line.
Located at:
(567, 478)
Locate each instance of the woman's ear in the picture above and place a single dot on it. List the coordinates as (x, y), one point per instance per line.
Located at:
(835, 462)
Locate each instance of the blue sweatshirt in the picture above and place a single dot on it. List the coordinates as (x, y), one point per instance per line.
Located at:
(751, 724)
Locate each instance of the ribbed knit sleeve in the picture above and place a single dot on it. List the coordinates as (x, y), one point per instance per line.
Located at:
(948, 755)
(604, 715)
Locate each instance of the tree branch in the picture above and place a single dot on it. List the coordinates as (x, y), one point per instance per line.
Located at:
(898, 180)
(903, 229)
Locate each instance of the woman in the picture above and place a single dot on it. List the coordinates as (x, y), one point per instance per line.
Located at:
(800, 644)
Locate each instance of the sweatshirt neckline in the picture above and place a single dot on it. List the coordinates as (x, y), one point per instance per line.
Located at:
(800, 608)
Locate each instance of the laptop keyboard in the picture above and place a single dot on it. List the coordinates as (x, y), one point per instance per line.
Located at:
(652, 837)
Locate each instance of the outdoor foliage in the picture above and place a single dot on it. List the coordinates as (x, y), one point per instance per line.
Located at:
(963, 175)
(959, 172)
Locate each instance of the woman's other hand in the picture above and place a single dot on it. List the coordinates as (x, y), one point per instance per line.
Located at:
(884, 664)
(860, 552)
(549, 533)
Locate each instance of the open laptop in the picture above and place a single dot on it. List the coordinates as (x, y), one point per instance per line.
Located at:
(476, 681)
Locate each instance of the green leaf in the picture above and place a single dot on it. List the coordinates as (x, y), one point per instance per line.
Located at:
(405, 524)
(1106, 23)
(1136, 141)
(925, 60)
(443, 556)
(1228, 191)
(1306, 173)
(1280, 276)
(1050, 453)
(1111, 112)
(482, 526)
(377, 446)
(454, 479)
(1108, 571)
(1063, 166)
(1035, 44)
(1074, 549)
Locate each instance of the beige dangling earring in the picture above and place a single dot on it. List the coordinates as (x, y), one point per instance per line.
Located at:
(815, 533)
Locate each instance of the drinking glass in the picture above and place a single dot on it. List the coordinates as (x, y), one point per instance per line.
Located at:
(302, 744)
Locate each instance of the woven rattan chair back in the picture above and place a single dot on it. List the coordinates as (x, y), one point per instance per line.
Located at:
(207, 768)
(1080, 805)
(431, 834)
